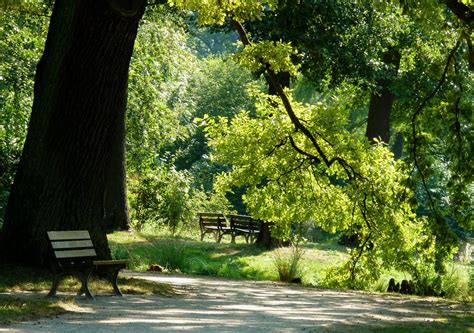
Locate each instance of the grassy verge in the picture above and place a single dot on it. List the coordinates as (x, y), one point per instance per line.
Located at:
(18, 309)
(241, 260)
(16, 305)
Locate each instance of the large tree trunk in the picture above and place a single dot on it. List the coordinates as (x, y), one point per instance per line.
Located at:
(116, 206)
(381, 102)
(79, 105)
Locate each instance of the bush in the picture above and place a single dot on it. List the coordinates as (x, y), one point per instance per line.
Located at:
(160, 196)
(164, 198)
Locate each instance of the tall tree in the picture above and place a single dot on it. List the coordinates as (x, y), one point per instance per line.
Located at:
(77, 117)
(381, 101)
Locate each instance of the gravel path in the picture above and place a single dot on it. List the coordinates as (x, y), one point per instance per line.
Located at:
(216, 305)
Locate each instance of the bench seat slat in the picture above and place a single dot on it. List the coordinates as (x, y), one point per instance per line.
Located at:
(75, 253)
(68, 235)
(72, 244)
(206, 215)
(247, 230)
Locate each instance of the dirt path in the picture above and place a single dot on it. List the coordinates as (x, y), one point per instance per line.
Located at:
(216, 305)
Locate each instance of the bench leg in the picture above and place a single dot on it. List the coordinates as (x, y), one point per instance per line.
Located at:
(202, 236)
(233, 238)
(114, 281)
(54, 287)
(85, 285)
(246, 238)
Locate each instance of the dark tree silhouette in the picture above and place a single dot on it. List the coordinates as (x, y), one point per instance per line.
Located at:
(71, 173)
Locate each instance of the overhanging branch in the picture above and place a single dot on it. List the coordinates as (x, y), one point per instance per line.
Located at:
(298, 125)
(418, 112)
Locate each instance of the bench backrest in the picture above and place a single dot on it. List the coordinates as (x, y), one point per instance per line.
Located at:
(243, 222)
(212, 220)
(68, 245)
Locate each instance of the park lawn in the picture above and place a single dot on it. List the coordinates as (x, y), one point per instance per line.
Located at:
(191, 256)
(20, 289)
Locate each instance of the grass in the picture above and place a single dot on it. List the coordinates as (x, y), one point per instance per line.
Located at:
(17, 309)
(242, 261)
(27, 306)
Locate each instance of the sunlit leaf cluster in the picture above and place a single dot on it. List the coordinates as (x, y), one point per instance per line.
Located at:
(216, 11)
(277, 55)
(286, 187)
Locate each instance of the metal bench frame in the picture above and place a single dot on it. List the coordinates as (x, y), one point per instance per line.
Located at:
(243, 225)
(74, 255)
(214, 223)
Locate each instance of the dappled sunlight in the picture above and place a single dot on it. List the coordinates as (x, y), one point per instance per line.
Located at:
(217, 305)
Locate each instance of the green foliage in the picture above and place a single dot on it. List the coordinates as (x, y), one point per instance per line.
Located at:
(285, 187)
(169, 172)
(159, 73)
(22, 37)
(277, 55)
(216, 11)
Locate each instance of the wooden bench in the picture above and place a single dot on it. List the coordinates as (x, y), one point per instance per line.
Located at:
(243, 225)
(74, 255)
(214, 223)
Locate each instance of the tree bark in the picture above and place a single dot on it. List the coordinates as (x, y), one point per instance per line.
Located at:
(78, 112)
(461, 10)
(116, 205)
(381, 102)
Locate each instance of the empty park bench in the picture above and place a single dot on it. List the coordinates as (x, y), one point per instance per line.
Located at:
(74, 255)
(232, 224)
(214, 223)
(243, 225)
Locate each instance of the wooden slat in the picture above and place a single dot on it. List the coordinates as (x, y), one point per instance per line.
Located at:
(210, 215)
(75, 253)
(68, 235)
(211, 222)
(72, 244)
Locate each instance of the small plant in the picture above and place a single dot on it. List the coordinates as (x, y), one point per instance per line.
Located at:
(287, 264)
(172, 256)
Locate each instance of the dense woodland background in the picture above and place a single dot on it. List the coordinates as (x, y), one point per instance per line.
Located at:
(377, 143)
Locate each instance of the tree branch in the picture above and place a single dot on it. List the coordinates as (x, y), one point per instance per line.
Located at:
(417, 113)
(462, 11)
(291, 114)
(356, 259)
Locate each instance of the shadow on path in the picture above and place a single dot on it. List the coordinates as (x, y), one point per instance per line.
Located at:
(217, 305)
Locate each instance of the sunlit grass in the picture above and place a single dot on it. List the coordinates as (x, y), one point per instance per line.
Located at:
(190, 255)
